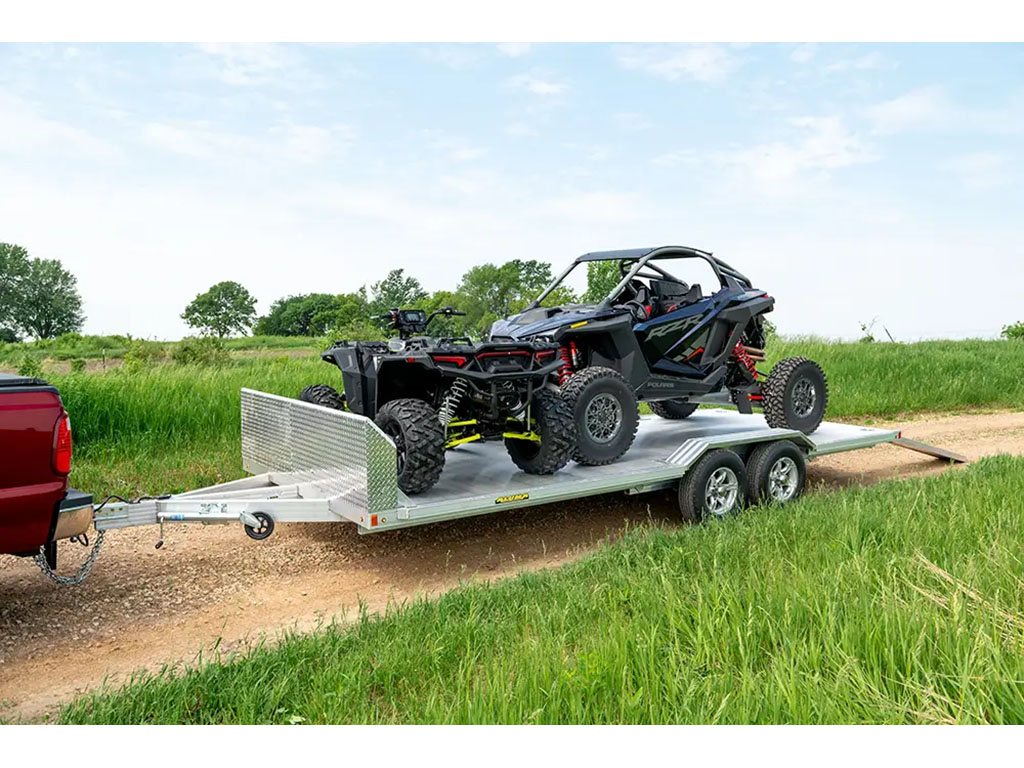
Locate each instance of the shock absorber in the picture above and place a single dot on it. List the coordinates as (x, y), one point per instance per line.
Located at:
(745, 359)
(566, 369)
(451, 401)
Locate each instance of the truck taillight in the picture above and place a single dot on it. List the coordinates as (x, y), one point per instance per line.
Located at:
(62, 448)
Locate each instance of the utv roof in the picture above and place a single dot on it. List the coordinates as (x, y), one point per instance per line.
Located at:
(665, 251)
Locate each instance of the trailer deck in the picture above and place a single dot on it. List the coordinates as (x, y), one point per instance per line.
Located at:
(314, 464)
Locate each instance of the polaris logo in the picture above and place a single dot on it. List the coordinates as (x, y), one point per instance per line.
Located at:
(676, 327)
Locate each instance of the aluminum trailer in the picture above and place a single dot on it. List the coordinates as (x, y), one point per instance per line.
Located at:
(311, 464)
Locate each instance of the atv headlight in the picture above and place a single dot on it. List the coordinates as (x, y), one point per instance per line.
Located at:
(396, 345)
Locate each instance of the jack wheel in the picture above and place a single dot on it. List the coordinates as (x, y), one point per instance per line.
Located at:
(265, 528)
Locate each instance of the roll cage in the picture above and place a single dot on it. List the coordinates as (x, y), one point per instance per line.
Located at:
(637, 259)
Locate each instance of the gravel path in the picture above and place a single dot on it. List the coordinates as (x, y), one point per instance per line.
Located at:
(143, 607)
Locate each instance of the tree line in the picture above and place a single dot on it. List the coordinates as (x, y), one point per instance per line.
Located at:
(485, 293)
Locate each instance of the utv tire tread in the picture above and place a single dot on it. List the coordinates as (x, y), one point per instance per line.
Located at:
(325, 395)
(555, 425)
(673, 409)
(424, 442)
(774, 391)
(573, 389)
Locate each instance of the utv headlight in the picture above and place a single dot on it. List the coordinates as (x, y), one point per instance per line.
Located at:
(396, 345)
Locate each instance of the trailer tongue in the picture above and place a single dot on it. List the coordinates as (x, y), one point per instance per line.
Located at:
(309, 463)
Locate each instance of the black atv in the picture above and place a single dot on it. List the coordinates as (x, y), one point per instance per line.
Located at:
(658, 339)
(432, 394)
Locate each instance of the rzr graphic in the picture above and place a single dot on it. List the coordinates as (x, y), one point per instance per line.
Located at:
(432, 394)
(654, 338)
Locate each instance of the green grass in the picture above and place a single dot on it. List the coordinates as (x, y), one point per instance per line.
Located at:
(899, 603)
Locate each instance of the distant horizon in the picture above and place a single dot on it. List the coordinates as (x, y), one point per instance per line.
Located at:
(851, 182)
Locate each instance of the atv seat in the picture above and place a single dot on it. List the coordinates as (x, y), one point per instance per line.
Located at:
(669, 295)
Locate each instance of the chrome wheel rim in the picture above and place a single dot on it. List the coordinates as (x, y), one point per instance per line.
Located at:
(805, 395)
(603, 418)
(721, 492)
(783, 478)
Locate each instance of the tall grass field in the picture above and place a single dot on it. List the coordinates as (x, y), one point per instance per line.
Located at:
(899, 603)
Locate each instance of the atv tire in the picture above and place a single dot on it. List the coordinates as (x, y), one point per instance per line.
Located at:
(322, 394)
(673, 409)
(795, 395)
(419, 440)
(554, 424)
(604, 412)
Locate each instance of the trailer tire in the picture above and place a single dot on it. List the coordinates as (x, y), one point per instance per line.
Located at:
(673, 409)
(323, 394)
(555, 427)
(593, 393)
(715, 487)
(419, 440)
(795, 395)
(776, 473)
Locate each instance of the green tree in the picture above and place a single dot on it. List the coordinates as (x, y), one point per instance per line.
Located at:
(49, 303)
(225, 308)
(396, 291)
(311, 314)
(13, 268)
(488, 291)
(602, 276)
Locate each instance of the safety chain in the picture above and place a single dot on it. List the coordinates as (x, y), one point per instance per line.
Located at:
(83, 572)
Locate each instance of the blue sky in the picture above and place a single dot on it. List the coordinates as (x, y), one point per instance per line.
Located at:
(852, 182)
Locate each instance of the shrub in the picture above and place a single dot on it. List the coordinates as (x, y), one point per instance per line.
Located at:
(1014, 331)
(202, 350)
(30, 366)
(78, 365)
(141, 354)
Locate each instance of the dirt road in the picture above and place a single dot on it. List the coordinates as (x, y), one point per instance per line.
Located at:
(142, 607)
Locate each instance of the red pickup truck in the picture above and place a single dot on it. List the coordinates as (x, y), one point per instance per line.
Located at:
(37, 508)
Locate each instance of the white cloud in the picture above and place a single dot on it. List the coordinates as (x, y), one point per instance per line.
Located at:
(678, 158)
(252, 64)
(824, 144)
(594, 206)
(458, 57)
(514, 50)
(868, 61)
(540, 86)
(980, 171)
(703, 63)
(920, 108)
(285, 141)
(25, 131)
(803, 53)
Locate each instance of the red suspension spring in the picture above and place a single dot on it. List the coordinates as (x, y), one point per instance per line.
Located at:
(741, 354)
(567, 365)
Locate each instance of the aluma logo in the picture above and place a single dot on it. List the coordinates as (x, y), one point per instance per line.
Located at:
(676, 327)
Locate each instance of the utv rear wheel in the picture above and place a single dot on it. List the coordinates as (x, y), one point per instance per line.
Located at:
(604, 412)
(419, 439)
(553, 422)
(322, 394)
(673, 409)
(795, 395)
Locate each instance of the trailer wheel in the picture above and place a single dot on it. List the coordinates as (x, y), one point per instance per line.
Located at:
(266, 527)
(673, 409)
(776, 473)
(715, 487)
(419, 439)
(323, 394)
(795, 395)
(553, 418)
(604, 412)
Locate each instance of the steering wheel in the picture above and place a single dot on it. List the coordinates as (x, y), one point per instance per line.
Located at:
(636, 308)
